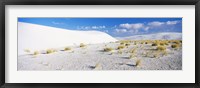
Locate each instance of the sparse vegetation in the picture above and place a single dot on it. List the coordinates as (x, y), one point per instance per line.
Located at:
(67, 48)
(138, 63)
(120, 47)
(36, 53)
(108, 49)
(49, 51)
(128, 44)
(154, 44)
(175, 46)
(133, 50)
(162, 43)
(82, 45)
(98, 66)
(27, 50)
(161, 48)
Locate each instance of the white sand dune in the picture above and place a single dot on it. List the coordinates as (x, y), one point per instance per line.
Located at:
(38, 37)
(156, 36)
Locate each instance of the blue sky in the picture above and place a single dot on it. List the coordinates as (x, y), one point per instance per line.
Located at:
(116, 27)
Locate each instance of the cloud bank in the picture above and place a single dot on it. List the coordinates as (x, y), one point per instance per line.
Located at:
(135, 28)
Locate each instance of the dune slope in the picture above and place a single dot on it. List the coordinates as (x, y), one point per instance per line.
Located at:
(38, 37)
(156, 36)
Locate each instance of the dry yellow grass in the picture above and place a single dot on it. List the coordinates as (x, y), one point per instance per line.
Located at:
(82, 45)
(161, 48)
(154, 44)
(49, 51)
(120, 47)
(35, 53)
(128, 44)
(175, 46)
(98, 66)
(27, 50)
(138, 63)
(107, 49)
(67, 48)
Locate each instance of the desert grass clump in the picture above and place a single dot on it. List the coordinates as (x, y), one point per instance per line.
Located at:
(133, 50)
(49, 51)
(161, 48)
(82, 45)
(67, 48)
(166, 43)
(138, 63)
(175, 46)
(177, 41)
(107, 49)
(154, 44)
(122, 43)
(35, 53)
(120, 47)
(127, 44)
(135, 43)
(142, 42)
(162, 43)
(98, 66)
(27, 50)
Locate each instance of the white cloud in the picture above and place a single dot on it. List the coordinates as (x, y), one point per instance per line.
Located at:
(146, 28)
(156, 23)
(136, 27)
(91, 27)
(120, 30)
(172, 22)
(57, 22)
(132, 26)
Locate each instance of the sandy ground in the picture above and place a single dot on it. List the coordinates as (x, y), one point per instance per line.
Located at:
(92, 57)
